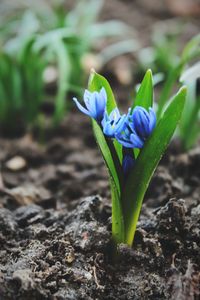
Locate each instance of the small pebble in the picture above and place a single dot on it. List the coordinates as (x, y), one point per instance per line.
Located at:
(16, 163)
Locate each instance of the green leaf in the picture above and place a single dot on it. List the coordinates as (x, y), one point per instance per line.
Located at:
(16, 85)
(102, 143)
(191, 74)
(117, 219)
(144, 96)
(117, 215)
(166, 90)
(189, 125)
(112, 161)
(191, 51)
(118, 148)
(96, 82)
(64, 69)
(146, 163)
(3, 104)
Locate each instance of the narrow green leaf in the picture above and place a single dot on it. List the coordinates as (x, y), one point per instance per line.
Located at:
(16, 82)
(101, 141)
(111, 158)
(96, 82)
(144, 96)
(189, 125)
(146, 163)
(191, 74)
(118, 148)
(117, 216)
(3, 104)
(191, 51)
(166, 90)
(64, 69)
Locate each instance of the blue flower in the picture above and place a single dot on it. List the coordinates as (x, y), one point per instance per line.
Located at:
(127, 164)
(95, 104)
(110, 123)
(136, 128)
(143, 121)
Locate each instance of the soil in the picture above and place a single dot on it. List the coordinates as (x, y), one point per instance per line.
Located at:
(55, 212)
(55, 236)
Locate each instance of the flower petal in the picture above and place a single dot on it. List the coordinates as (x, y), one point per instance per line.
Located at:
(121, 124)
(108, 130)
(100, 100)
(81, 108)
(152, 120)
(127, 164)
(140, 118)
(136, 141)
(124, 142)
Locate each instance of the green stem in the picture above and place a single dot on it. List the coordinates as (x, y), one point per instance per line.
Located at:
(132, 215)
(116, 160)
(117, 216)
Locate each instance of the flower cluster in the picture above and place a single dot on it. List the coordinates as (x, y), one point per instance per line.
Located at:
(131, 130)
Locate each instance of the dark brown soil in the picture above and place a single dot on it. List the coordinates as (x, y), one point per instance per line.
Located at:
(55, 241)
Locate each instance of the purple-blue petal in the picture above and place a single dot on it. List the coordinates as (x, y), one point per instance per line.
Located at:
(152, 119)
(95, 104)
(81, 108)
(108, 130)
(121, 125)
(127, 164)
(140, 119)
(115, 114)
(123, 141)
(136, 141)
(100, 103)
(111, 122)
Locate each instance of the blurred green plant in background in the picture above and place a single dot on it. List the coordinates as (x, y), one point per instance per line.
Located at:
(169, 60)
(189, 129)
(46, 46)
(21, 88)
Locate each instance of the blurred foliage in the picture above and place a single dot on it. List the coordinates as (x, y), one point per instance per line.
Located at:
(168, 60)
(41, 45)
(164, 50)
(189, 129)
(21, 88)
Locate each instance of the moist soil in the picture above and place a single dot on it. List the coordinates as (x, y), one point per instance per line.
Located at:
(55, 223)
(55, 210)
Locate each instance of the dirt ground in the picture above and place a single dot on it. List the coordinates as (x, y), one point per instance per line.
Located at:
(55, 211)
(55, 229)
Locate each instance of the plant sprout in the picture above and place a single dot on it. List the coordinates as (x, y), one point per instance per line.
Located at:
(131, 144)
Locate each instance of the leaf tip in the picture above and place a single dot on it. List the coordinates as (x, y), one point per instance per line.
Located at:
(92, 71)
(149, 75)
(92, 75)
(183, 90)
(149, 72)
